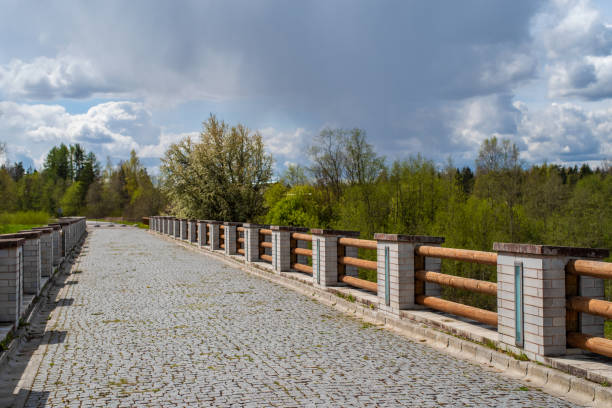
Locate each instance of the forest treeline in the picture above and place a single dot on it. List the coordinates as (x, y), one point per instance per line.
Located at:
(72, 182)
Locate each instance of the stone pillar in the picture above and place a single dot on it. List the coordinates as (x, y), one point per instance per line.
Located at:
(64, 240)
(251, 242)
(184, 229)
(31, 260)
(57, 244)
(325, 268)
(531, 296)
(164, 225)
(230, 237)
(192, 231)
(11, 279)
(202, 233)
(396, 264)
(177, 228)
(213, 229)
(46, 250)
(589, 286)
(281, 247)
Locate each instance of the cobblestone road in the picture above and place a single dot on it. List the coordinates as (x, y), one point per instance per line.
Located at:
(148, 323)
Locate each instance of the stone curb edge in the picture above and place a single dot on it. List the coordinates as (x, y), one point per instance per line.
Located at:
(550, 380)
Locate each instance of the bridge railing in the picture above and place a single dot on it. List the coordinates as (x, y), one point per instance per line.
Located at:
(301, 253)
(350, 259)
(577, 271)
(28, 260)
(548, 298)
(422, 275)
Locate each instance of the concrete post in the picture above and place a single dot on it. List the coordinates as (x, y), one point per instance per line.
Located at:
(11, 279)
(46, 250)
(396, 264)
(281, 247)
(177, 228)
(325, 255)
(251, 242)
(202, 233)
(31, 260)
(184, 229)
(57, 244)
(230, 237)
(193, 231)
(213, 228)
(531, 296)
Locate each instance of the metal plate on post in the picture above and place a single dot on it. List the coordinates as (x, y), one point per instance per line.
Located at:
(387, 289)
(318, 262)
(275, 253)
(518, 304)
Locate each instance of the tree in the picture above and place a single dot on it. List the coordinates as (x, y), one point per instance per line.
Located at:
(499, 177)
(328, 156)
(223, 176)
(71, 201)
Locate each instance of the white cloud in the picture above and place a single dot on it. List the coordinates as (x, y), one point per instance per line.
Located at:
(50, 78)
(578, 46)
(286, 146)
(108, 129)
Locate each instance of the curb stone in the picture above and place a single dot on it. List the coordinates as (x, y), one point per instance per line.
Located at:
(558, 383)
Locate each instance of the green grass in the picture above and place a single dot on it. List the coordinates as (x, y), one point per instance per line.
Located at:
(608, 329)
(22, 220)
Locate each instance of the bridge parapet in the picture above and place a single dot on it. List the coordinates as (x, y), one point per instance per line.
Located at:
(548, 298)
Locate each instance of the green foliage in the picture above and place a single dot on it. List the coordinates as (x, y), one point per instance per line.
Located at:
(71, 181)
(298, 207)
(221, 177)
(22, 220)
(24, 217)
(71, 201)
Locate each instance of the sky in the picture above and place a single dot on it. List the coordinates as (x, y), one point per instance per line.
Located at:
(435, 78)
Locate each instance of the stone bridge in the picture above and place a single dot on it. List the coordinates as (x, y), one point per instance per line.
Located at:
(142, 320)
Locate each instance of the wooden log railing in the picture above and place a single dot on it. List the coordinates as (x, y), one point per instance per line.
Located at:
(295, 251)
(582, 304)
(473, 285)
(263, 244)
(465, 255)
(344, 261)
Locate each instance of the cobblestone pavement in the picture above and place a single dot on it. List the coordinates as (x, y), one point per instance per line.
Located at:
(146, 322)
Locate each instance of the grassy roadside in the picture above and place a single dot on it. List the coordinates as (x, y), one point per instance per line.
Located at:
(22, 220)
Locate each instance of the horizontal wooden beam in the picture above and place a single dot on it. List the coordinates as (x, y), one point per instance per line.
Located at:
(240, 251)
(241, 240)
(360, 263)
(589, 305)
(466, 255)
(264, 231)
(593, 344)
(302, 268)
(358, 243)
(473, 285)
(471, 312)
(301, 236)
(596, 269)
(266, 257)
(302, 251)
(359, 283)
(265, 244)
(240, 229)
